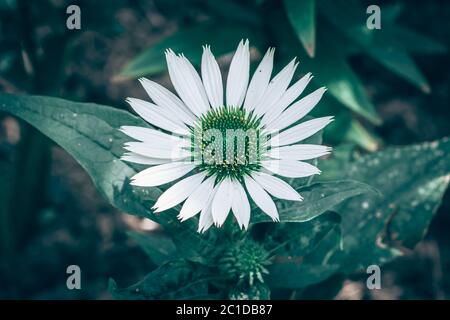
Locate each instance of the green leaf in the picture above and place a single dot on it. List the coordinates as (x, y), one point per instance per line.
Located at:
(89, 132)
(376, 229)
(318, 198)
(416, 42)
(329, 66)
(173, 280)
(398, 61)
(296, 265)
(383, 45)
(222, 37)
(302, 15)
(158, 246)
(331, 70)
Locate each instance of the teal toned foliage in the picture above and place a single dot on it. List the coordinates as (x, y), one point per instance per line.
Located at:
(340, 227)
(323, 34)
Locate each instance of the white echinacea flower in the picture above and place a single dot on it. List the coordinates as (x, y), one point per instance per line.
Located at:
(230, 143)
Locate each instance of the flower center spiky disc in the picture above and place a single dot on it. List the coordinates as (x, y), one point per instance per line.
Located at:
(227, 142)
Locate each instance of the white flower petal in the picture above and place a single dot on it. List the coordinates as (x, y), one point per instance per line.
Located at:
(221, 204)
(206, 219)
(161, 174)
(187, 83)
(197, 200)
(178, 192)
(290, 168)
(212, 78)
(156, 116)
(291, 94)
(260, 80)
(299, 152)
(299, 132)
(153, 136)
(238, 75)
(137, 158)
(197, 84)
(159, 151)
(277, 87)
(276, 187)
(261, 198)
(166, 99)
(240, 205)
(297, 111)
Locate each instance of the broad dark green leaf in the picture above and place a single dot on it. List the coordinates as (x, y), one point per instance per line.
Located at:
(89, 132)
(302, 15)
(382, 45)
(318, 198)
(222, 37)
(296, 264)
(375, 229)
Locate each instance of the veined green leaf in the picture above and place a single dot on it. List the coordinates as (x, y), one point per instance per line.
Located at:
(317, 199)
(296, 264)
(302, 15)
(375, 229)
(89, 132)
